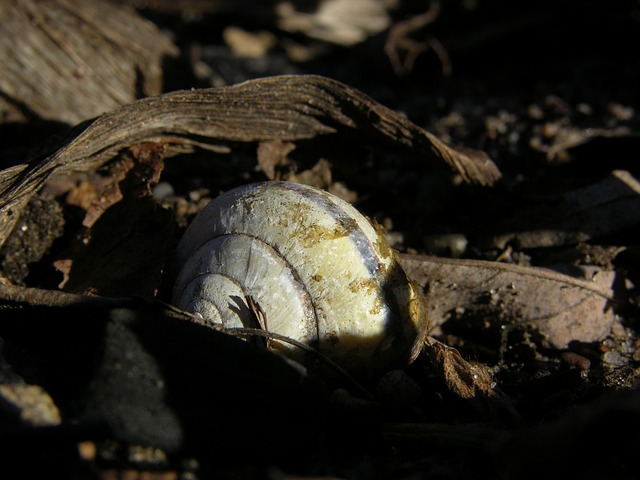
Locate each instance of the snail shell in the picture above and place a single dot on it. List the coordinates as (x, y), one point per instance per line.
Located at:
(318, 269)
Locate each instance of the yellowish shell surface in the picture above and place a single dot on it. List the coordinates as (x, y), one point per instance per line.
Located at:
(317, 267)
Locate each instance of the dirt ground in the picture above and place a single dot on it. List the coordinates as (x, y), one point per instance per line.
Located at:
(531, 277)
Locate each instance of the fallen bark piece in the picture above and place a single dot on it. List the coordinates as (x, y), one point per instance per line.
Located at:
(559, 307)
(70, 61)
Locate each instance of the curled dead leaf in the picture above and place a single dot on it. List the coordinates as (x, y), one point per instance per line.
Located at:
(561, 308)
(289, 108)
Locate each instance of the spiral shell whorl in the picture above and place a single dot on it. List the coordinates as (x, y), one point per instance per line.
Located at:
(320, 271)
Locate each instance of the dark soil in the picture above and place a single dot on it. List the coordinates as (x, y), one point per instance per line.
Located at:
(549, 90)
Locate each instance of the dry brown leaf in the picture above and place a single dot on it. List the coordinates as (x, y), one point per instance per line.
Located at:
(289, 108)
(248, 44)
(318, 176)
(469, 381)
(559, 307)
(70, 61)
(124, 253)
(121, 250)
(272, 157)
(143, 162)
(117, 248)
(343, 22)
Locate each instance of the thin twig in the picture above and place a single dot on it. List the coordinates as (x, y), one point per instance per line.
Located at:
(398, 40)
